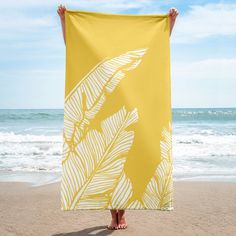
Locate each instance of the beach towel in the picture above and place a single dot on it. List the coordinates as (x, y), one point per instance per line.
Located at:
(117, 135)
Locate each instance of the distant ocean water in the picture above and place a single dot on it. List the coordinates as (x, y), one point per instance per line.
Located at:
(204, 143)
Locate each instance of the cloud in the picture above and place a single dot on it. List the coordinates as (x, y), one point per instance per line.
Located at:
(215, 69)
(20, 22)
(203, 21)
(114, 5)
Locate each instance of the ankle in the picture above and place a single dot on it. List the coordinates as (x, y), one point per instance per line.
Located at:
(121, 213)
(113, 214)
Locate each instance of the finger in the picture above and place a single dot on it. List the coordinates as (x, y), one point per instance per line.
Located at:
(174, 10)
(174, 13)
(61, 10)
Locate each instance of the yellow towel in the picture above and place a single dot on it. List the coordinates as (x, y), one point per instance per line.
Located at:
(117, 151)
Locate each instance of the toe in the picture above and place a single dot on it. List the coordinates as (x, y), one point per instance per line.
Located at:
(124, 226)
(109, 227)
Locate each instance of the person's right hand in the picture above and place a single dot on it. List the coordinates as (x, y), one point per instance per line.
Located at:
(61, 12)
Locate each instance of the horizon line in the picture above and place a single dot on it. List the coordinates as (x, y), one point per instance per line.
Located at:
(63, 108)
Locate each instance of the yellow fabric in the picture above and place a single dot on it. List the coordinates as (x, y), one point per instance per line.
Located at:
(117, 151)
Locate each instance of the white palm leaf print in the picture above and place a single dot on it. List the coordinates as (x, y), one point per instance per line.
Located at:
(88, 96)
(122, 193)
(158, 193)
(95, 164)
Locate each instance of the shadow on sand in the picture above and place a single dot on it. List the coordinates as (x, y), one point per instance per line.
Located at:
(97, 230)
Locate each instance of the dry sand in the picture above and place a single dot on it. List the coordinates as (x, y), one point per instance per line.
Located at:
(200, 208)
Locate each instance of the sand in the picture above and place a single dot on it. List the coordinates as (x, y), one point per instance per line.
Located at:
(201, 208)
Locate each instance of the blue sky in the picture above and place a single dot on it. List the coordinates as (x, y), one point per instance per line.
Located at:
(203, 51)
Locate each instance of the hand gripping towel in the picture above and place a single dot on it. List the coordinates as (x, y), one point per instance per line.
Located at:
(117, 137)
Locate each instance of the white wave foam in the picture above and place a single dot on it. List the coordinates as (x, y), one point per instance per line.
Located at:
(11, 137)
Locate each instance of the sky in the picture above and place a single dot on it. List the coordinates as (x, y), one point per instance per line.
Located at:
(203, 50)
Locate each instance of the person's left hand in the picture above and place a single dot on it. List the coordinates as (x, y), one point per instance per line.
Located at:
(173, 13)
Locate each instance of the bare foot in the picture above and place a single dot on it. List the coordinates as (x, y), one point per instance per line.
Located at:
(114, 220)
(121, 220)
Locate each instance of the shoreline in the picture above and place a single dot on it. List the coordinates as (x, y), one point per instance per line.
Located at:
(35, 179)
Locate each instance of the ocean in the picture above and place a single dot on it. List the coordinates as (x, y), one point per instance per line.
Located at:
(204, 144)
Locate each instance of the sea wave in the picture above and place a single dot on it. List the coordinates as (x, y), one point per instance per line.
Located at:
(179, 114)
(12, 137)
(31, 115)
(204, 114)
(204, 141)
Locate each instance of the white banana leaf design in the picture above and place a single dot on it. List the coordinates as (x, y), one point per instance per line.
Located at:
(88, 96)
(95, 164)
(122, 193)
(159, 191)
